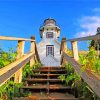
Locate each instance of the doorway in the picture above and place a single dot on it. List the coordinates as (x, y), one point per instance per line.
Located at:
(50, 50)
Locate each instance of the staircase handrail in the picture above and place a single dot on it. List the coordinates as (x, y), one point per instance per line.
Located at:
(8, 71)
(15, 68)
(90, 78)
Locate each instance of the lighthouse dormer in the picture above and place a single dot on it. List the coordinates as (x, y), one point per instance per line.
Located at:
(49, 30)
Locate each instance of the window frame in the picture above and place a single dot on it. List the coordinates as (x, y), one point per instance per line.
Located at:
(49, 35)
(49, 52)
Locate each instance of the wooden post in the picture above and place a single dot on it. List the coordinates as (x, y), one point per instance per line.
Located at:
(32, 49)
(63, 49)
(75, 50)
(20, 53)
(63, 45)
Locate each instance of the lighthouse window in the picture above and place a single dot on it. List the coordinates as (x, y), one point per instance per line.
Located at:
(49, 35)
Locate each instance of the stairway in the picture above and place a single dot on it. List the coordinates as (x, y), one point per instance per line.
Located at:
(44, 84)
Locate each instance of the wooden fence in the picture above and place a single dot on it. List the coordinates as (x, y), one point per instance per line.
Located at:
(90, 78)
(15, 68)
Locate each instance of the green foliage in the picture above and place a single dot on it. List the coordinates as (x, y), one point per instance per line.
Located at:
(88, 92)
(17, 87)
(69, 52)
(9, 90)
(62, 77)
(71, 77)
(7, 57)
(37, 65)
(90, 61)
(26, 94)
(69, 68)
(96, 43)
(28, 71)
(74, 80)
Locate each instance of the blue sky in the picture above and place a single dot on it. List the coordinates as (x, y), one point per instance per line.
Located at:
(22, 18)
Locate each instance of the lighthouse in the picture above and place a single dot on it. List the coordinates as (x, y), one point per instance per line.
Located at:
(49, 47)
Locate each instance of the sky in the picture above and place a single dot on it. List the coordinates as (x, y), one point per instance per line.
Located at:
(23, 18)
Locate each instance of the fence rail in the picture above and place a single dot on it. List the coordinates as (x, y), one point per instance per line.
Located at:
(14, 38)
(16, 67)
(91, 79)
(94, 37)
(9, 70)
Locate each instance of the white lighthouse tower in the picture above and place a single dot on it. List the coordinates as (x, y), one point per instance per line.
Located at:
(49, 47)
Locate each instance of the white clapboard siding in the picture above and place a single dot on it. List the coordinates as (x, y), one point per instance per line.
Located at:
(49, 60)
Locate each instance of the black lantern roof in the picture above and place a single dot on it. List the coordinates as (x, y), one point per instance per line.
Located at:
(49, 21)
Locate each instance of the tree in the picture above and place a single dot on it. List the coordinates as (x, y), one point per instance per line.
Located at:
(96, 44)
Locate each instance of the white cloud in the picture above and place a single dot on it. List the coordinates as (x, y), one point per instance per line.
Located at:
(96, 10)
(88, 25)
